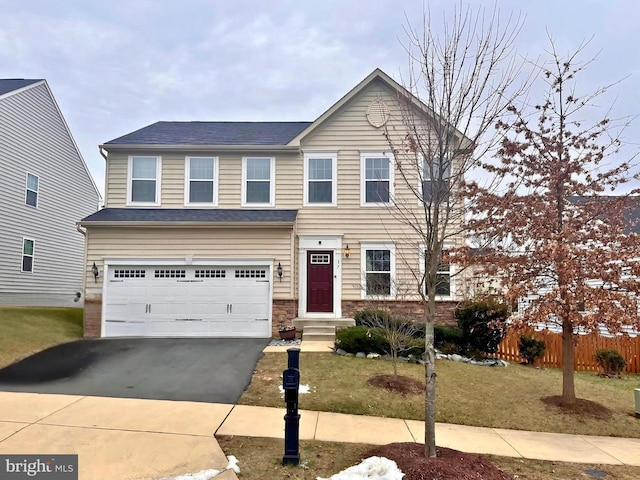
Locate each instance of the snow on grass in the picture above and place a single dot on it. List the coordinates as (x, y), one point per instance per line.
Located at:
(372, 468)
(209, 474)
(301, 389)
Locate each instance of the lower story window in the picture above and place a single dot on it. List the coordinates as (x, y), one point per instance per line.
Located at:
(28, 247)
(378, 271)
(443, 280)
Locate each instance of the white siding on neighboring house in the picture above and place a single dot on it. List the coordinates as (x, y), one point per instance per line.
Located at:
(34, 138)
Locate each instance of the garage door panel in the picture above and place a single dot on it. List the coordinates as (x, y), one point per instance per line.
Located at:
(188, 301)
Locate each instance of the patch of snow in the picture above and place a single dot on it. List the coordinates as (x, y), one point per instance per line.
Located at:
(233, 464)
(301, 389)
(201, 475)
(209, 474)
(372, 468)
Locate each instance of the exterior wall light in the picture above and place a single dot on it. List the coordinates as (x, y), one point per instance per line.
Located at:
(95, 272)
(347, 251)
(280, 271)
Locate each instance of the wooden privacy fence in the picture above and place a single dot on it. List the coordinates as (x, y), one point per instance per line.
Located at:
(585, 349)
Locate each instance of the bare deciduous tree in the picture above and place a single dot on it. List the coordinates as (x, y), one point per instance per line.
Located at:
(464, 75)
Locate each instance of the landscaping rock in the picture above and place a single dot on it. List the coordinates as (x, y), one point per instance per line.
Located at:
(339, 351)
(361, 355)
(373, 355)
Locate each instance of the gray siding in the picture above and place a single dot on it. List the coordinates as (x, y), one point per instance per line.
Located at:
(34, 138)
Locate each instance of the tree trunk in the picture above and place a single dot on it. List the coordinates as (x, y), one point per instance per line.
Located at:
(430, 394)
(568, 387)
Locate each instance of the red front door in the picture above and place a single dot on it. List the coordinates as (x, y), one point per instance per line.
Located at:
(319, 281)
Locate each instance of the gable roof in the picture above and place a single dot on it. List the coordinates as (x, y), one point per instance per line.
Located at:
(10, 84)
(190, 216)
(378, 75)
(213, 133)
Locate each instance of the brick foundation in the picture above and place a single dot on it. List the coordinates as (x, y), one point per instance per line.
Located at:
(92, 317)
(285, 309)
(444, 309)
(288, 310)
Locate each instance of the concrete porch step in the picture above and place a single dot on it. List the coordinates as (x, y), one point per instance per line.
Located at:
(321, 329)
(334, 322)
(315, 333)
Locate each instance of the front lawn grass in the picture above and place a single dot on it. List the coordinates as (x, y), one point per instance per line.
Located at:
(465, 394)
(261, 459)
(25, 331)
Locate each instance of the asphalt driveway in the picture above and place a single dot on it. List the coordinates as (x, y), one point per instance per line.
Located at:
(188, 369)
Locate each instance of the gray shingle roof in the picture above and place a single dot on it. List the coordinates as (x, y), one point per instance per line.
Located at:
(213, 133)
(190, 215)
(11, 84)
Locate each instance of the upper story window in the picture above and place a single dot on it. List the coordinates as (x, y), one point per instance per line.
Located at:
(258, 181)
(201, 186)
(320, 179)
(28, 250)
(378, 267)
(376, 173)
(33, 185)
(144, 181)
(435, 179)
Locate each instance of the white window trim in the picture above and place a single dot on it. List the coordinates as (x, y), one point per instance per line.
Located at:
(22, 255)
(334, 178)
(364, 246)
(452, 271)
(27, 189)
(129, 180)
(426, 176)
(363, 181)
(272, 183)
(187, 183)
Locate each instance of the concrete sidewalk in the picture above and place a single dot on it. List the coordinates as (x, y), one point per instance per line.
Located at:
(119, 438)
(268, 422)
(116, 438)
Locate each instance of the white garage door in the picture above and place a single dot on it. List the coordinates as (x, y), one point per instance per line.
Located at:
(187, 301)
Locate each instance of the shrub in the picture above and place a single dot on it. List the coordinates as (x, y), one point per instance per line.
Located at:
(611, 362)
(370, 317)
(451, 336)
(360, 339)
(483, 323)
(450, 349)
(530, 348)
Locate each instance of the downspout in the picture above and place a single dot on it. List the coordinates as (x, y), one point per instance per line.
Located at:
(103, 153)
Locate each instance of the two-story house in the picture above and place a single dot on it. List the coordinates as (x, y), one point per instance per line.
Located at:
(228, 228)
(45, 187)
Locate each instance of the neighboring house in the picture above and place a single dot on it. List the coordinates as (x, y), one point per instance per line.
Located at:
(45, 187)
(229, 228)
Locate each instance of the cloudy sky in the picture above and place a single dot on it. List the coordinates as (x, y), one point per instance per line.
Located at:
(116, 66)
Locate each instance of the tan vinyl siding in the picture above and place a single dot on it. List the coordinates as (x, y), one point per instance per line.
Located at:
(34, 138)
(116, 181)
(346, 132)
(288, 178)
(200, 243)
(349, 132)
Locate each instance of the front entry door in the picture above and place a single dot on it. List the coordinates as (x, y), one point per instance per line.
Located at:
(320, 281)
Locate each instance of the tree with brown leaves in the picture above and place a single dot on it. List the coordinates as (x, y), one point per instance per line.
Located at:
(554, 234)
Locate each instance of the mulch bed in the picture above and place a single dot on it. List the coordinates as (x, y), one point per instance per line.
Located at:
(581, 407)
(397, 383)
(448, 465)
